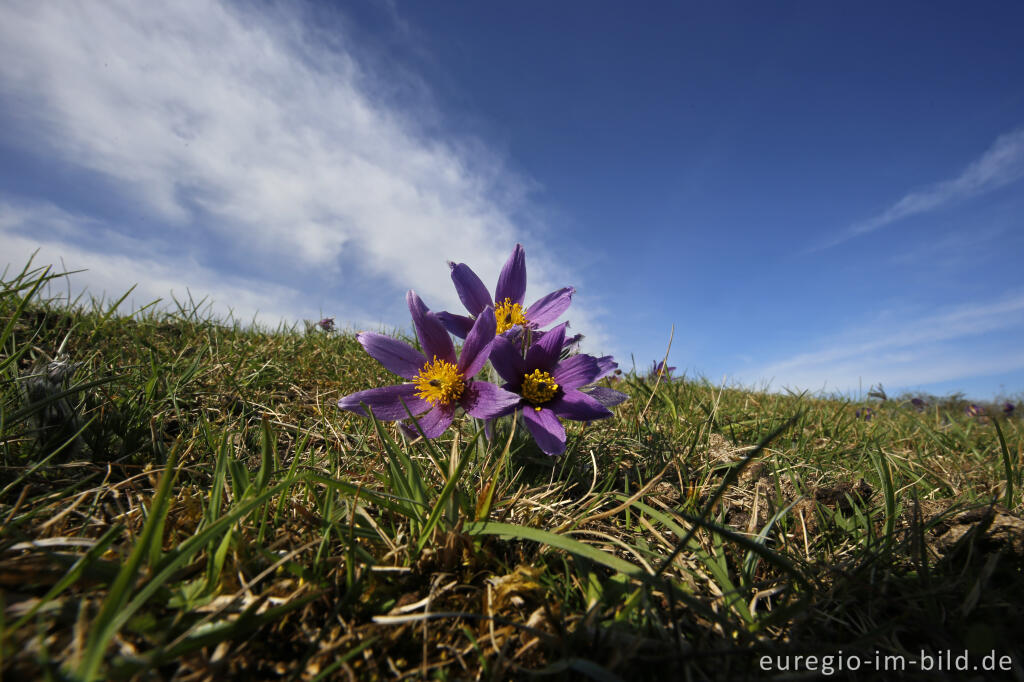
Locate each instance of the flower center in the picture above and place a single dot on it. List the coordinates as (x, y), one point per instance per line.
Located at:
(539, 387)
(508, 315)
(439, 382)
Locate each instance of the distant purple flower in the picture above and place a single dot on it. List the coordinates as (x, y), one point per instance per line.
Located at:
(507, 303)
(918, 403)
(866, 413)
(1008, 408)
(440, 382)
(327, 324)
(974, 411)
(549, 388)
(660, 368)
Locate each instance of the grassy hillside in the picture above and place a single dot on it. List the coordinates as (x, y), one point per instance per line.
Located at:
(182, 499)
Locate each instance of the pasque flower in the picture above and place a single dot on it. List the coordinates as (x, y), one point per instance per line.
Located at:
(659, 367)
(549, 388)
(507, 302)
(439, 382)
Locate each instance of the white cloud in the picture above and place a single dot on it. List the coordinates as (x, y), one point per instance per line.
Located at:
(253, 138)
(108, 276)
(898, 350)
(956, 249)
(1000, 165)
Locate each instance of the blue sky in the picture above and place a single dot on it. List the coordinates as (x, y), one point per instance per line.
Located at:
(817, 196)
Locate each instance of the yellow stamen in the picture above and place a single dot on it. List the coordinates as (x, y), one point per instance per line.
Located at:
(439, 382)
(508, 315)
(539, 387)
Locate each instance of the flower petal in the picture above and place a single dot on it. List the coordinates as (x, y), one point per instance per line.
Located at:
(435, 422)
(576, 371)
(608, 397)
(546, 430)
(477, 348)
(567, 345)
(396, 356)
(484, 400)
(386, 402)
(578, 406)
(471, 290)
(432, 334)
(607, 365)
(512, 280)
(508, 362)
(544, 354)
(546, 310)
(459, 325)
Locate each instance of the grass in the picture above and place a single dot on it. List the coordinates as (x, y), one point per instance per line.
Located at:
(185, 501)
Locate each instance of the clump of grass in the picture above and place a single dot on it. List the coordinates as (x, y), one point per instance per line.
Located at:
(198, 508)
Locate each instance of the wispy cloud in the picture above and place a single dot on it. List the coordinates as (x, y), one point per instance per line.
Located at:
(242, 143)
(1000, 165)
(898, 349)
(953, 250)
(108, 276)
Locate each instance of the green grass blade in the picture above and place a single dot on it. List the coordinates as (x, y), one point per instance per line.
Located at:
(106, 623)
(440, 504)
(74, 573)
(247, 621)
(41, 463)
(727, 480)
(268, 446)
(9, 327)
(567, 544)
(177, 558)
(881, 463)
(1007, 466)
(404, 473)
(34, 407)
(483, 509)
(745, 543)
(112, 309)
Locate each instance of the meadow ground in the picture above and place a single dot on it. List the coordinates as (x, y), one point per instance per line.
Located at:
(181, 498)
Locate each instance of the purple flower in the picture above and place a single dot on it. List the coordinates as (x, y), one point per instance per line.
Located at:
(439, 382)
(867, 413)
(974, 411)
(507, 302)
(1008, 408)
(327, 324)
(918, 404)
(549, 388)
(660, 368)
